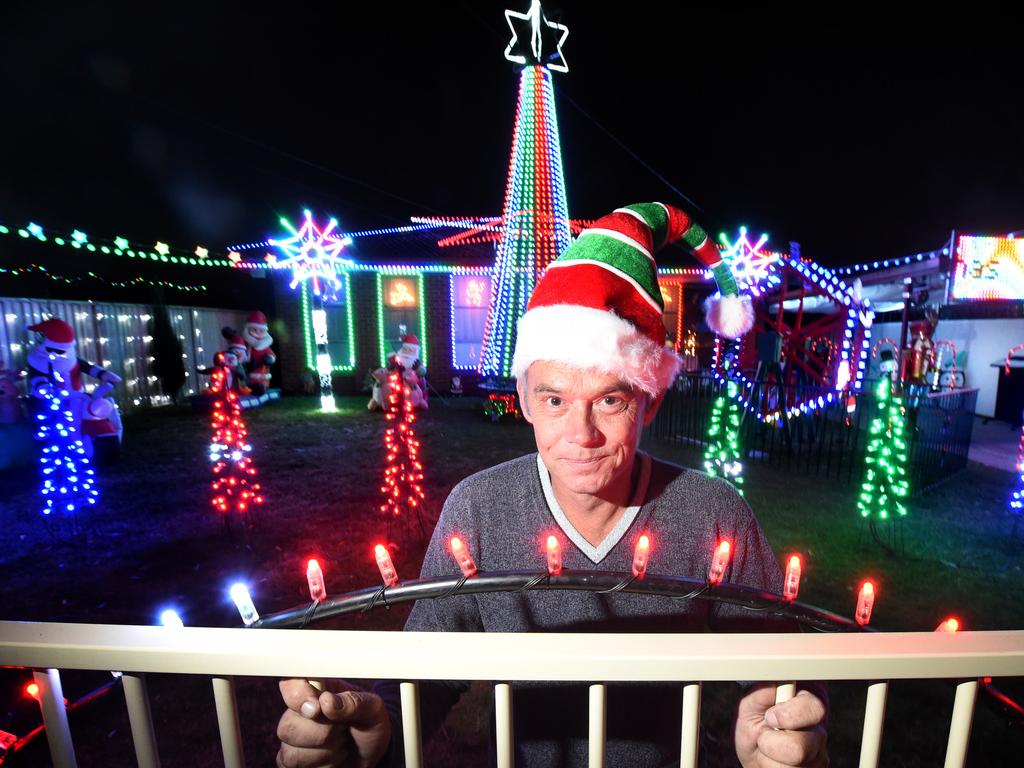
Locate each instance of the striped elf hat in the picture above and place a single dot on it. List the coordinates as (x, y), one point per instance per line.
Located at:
(599, 305)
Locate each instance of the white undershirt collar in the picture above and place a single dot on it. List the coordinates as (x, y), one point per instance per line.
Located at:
(598, 553)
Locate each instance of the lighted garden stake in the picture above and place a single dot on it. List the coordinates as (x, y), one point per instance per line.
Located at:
(723, 455)
(791, 586)
(640, 556)
(952, 624)
(315, 580)
(240, 594)
(311, 253)
(885, 463)
(719, 563)
(402, 488)
(387, 568)
(462, 557)
(554, 556)
(865, 602)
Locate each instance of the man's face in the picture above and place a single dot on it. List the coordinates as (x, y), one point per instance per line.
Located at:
(587, 425)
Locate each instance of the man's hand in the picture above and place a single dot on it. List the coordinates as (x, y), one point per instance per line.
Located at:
(344, 727)
(769, 735)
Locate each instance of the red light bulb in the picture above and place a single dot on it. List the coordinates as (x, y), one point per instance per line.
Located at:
(641, 554)
(865, 602)
(32, 691)
(554, 556)
(315, 579)
(462, 557)
(387, 568)
(952, 624)
(719, 563)
(791, 586)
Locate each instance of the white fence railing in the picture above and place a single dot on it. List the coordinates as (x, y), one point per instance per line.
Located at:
(412, 656)
(117, 336)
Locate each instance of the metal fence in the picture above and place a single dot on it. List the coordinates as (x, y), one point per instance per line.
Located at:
(116, 336)
(830, 441)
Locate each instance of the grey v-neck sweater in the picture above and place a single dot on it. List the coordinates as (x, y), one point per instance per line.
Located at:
(504, 517)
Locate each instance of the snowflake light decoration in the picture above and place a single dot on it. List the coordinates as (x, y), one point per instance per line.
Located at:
(312, 254)
(751, 266)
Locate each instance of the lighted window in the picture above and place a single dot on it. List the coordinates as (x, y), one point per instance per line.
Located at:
(471, 299)
(672, 295)
(340, 342)
(400, 312)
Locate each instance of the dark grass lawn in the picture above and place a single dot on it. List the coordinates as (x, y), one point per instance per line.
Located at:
(155, 541)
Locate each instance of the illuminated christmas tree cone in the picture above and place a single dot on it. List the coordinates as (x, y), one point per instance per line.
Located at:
(885, 484)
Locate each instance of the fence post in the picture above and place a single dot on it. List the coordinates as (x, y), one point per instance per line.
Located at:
(136, 697)
(227, 722)
(55, 718)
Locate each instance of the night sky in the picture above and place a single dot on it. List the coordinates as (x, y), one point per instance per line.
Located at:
(203, 125)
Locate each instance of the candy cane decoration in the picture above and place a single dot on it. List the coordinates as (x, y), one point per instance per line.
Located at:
(937, 362)
(1009, 356)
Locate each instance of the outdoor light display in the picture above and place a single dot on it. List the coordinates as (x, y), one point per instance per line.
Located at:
(641, 554)
(842, 369)
(719, 563)
(470, 299)
(791, 583)
(311, 253)
(234, 486)
(315, 581)
(68, 481)
(384, 564)
(498, 405)
(462, 557)
(535, 219)
(885, 463)
(554, 556)
(723, 456)
(243, 602)
(865, 603)
(989, 268)
(340, 296)
(749, 264)
(403, 475)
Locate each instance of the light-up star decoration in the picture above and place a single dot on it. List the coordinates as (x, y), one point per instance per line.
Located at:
(162, 248)
(312, 254)
(750, 266)
(121, 243)
(528, 32)
(79, 237)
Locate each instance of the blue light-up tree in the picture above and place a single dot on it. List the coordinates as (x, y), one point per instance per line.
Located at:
(311, 253)
(535, 221)
(68, 481)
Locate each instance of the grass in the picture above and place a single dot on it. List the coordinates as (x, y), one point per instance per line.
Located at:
(155, 541)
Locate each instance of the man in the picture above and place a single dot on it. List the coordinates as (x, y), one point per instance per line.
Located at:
(591, 369)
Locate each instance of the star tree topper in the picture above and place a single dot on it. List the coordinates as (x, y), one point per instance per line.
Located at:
(312, 254)
(750, 266)
(533, 26)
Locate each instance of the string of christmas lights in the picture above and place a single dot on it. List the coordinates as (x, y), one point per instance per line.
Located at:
(885, 462)
(234, 488)
(34, 269)
(402, 488)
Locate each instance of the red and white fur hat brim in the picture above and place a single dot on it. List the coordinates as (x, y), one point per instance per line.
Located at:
(594, 339)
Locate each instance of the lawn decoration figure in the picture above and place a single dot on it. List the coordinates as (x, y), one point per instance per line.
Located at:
(53, 363)
(256, 335)
(237, 356)
(412, 375)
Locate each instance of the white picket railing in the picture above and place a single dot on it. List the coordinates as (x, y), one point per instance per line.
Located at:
(413, 656)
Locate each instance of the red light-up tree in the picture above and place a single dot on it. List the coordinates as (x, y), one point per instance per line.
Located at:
(234, 486)
(403, 475)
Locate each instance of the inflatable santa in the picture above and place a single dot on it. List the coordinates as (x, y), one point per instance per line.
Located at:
(54, 360)
(414, 374)
(257, 341)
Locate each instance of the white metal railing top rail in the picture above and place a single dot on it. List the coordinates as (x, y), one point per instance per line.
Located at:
(683, 658)
(512, 656)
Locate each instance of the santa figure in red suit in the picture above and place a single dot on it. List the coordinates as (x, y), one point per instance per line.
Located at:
(54, 360)
(257, 341)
